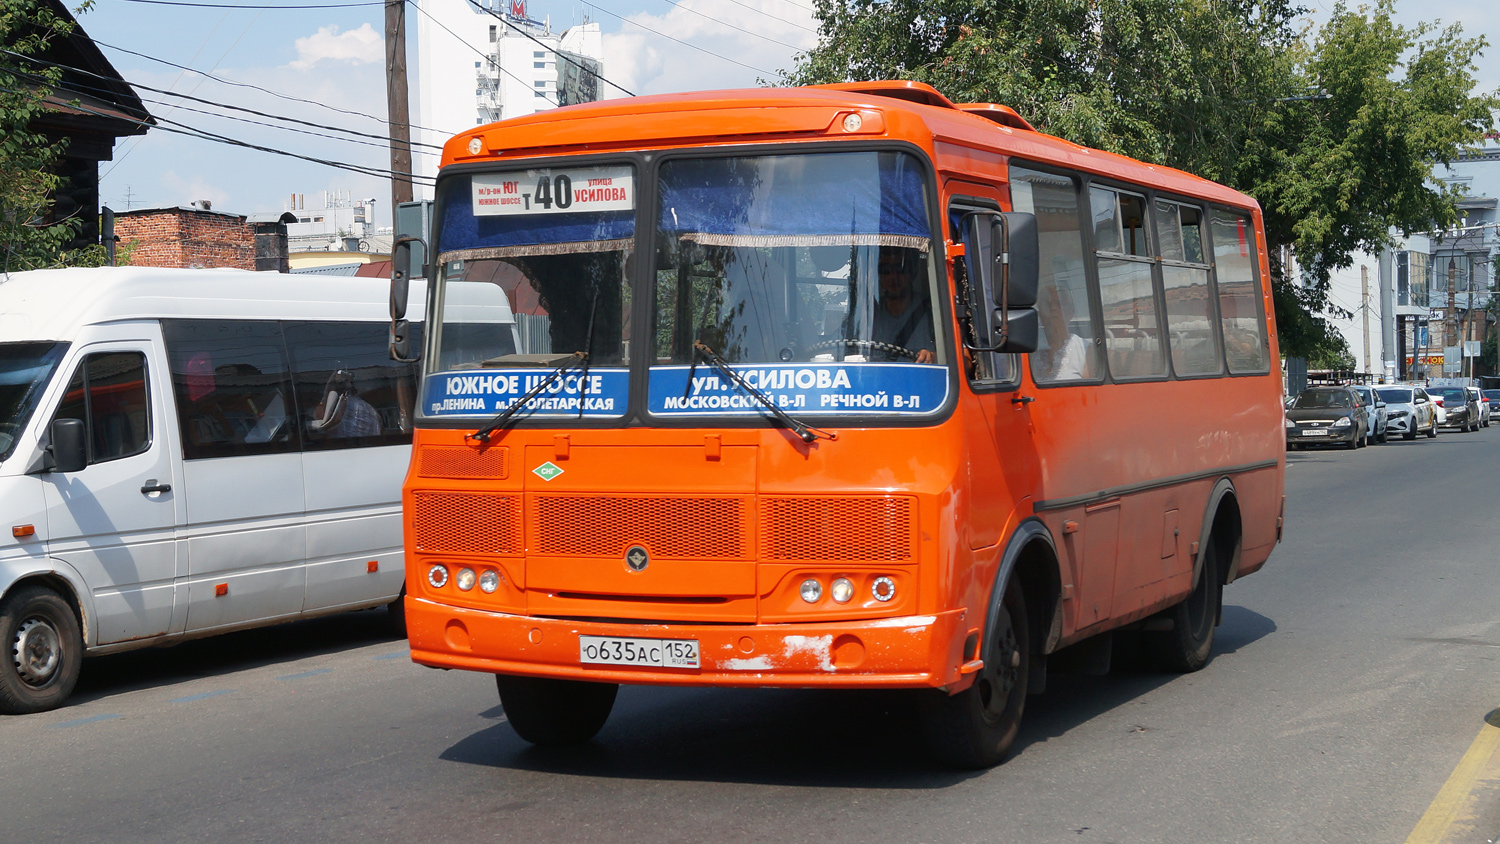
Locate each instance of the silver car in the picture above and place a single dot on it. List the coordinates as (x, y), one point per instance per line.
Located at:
(1409, 411)
(1376, 414)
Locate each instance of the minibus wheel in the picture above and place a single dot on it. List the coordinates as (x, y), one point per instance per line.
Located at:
(976, 727)
(43, 650)
(544, 711)
(1189, 645)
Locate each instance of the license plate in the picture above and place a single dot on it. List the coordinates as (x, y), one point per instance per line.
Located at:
(656, 653)
(1315, 433)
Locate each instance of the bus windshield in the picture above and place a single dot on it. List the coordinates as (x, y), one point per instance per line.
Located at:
(25, 369)
(812, 271)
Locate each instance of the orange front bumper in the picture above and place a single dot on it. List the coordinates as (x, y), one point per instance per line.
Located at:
(912, 652)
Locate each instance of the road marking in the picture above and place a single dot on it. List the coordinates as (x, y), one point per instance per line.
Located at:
(82, 721)
(204, 696)
(1455, 811)
(396, 655)
(313, 673)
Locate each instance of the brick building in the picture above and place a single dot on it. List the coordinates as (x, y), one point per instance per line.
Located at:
(191, 236)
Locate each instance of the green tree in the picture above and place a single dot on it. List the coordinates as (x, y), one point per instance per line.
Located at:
(1335, 133)
(28, 240)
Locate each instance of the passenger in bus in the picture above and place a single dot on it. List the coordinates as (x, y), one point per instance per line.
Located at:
(1066, 355)
(900, 319)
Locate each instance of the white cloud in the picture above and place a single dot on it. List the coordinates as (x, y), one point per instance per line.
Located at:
(359, 46)
(740, 43)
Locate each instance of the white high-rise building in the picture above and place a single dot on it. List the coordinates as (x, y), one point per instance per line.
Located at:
(485, 60)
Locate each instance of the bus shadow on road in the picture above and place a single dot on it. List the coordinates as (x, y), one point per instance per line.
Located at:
(840, 739)
(105, 676)
(1073, 700)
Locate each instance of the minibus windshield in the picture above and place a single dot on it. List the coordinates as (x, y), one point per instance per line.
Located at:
(25, 369)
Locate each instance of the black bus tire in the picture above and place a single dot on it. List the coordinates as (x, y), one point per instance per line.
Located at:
(1188, 646)
(553, 713)
(977, 727)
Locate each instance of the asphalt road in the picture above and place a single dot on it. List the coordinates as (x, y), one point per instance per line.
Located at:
(1351, 675)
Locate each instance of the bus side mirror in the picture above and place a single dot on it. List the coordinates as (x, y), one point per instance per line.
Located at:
(1019, 261)
(400, 340)
(1000, 255)
(69, 447)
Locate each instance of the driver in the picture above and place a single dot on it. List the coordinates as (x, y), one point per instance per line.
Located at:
(900, 319)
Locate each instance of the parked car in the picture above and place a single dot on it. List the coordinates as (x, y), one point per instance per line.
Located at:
(1484, 406)
(1410, 411)
(1376, 414)
(1492, 398)
(1326, 416)
(1460, 410)
(189, 452)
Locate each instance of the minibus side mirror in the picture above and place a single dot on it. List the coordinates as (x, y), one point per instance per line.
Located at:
(69, 448)
(400, 340)
(1000, 254)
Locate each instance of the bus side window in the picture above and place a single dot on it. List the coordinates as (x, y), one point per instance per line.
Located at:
(231, 382)
(1068, 351)
(108, 394)
(1191, 336)
(350, 393)
(1236, 270)
(1127, 293)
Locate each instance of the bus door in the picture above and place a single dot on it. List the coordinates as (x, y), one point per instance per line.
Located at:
(998, 430)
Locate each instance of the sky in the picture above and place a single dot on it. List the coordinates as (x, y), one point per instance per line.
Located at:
(333, 57)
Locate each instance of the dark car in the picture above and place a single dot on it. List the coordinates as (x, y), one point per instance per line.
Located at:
(1326, 416)
(1461, 407)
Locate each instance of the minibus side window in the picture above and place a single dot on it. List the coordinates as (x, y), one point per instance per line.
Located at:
(232, 386)
(349, 391)
(1068, 351)
(108, 394)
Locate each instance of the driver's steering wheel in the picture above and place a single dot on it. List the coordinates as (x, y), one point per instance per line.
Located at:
(890, 348)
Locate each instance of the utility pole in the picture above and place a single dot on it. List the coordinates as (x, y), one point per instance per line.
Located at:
(1450, 321)
(398, 113)
(1364, 304)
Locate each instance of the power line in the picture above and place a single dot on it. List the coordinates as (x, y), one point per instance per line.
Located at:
(775, 18)
(677, 40)
(200, 134)
(477, 51)
(221, 80)
(732, 26)
(165, 92)
(243, 6)
(580, 65)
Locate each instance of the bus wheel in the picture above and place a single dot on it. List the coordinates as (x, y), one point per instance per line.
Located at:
(43, 650)
(555, 712)
(1188, 646)
(976, 727)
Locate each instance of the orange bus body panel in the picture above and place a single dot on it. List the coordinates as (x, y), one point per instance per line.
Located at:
(931, 507)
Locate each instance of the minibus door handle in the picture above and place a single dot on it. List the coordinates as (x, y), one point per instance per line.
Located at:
(152, 486)
(1022, 399)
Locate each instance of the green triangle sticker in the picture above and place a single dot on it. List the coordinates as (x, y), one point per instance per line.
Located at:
(547, 471)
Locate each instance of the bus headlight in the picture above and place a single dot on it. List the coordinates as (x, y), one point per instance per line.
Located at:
(465, 579)
(842, 590)
(812, 590)
(437, 576)
(489, 581)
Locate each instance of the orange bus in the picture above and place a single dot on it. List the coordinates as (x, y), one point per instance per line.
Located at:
(845, 386)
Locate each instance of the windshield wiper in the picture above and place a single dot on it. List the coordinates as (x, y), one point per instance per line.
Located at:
(483, 434)
(807, 432)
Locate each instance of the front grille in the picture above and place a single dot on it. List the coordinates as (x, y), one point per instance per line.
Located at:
(607, 525)
(466, 523)
(460, 462)
(865, 529)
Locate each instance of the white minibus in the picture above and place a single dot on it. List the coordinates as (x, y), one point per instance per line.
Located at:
(190, 452)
